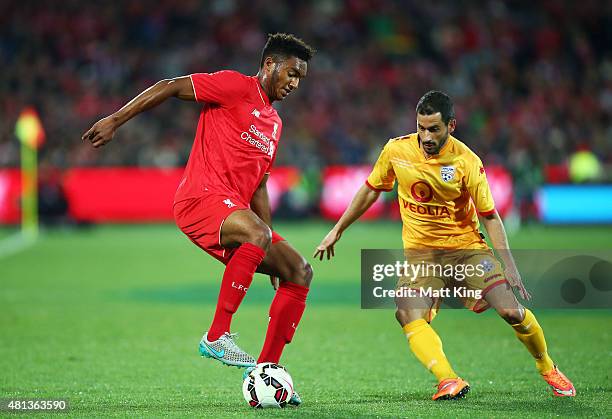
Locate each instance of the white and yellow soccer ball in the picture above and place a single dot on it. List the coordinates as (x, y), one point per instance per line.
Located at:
(268, 385)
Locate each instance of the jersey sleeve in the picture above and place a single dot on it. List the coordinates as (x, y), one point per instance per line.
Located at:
(478, 187)
(382, 177)
(221, 88)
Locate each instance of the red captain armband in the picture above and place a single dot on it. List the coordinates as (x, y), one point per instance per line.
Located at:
(377, 189)
(486, 213)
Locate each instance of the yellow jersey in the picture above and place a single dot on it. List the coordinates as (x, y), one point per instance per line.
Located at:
(439, 196)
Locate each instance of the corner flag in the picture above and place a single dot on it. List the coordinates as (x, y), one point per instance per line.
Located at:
(30, 132)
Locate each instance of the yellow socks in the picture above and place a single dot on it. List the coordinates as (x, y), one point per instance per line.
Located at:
(530, 333)
(427, 347)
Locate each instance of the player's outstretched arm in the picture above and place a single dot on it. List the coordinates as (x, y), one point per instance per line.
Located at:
(103, 131)
(495, 228)
(363, 199)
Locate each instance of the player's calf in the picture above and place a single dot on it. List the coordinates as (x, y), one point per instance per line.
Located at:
(236, 281)
(285, 314)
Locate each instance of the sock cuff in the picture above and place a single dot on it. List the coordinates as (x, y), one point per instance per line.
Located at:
(528, 323)
(414, 325)
(251, 251)
(299, 291)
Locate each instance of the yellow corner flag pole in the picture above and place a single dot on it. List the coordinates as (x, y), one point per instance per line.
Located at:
(30, 132)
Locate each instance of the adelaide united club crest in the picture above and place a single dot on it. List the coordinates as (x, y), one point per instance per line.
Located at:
(447, 173)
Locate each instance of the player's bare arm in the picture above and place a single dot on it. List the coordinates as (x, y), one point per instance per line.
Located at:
(495, 228)
(260, 205)
(363, 199)
(103, 131)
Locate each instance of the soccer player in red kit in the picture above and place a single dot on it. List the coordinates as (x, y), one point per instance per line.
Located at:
(221, 203)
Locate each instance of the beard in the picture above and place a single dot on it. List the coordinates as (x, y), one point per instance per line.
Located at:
(435, 149)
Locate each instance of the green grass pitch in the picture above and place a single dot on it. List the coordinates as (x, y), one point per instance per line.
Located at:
(110, 318)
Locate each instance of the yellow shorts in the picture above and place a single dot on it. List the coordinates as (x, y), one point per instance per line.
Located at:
(465, 274)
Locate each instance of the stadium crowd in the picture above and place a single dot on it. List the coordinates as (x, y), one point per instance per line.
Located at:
(532, 81)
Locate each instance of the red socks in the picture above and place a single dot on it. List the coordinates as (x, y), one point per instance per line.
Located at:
(285, 311)
(285, 314)
(236, 281)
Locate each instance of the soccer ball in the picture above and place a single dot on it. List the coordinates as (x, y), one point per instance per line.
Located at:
(268, 385)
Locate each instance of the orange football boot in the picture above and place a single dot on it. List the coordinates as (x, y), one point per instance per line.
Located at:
(560, 384)
(452, 389)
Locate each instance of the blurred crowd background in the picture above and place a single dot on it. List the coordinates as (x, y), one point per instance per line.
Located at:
(532, 81)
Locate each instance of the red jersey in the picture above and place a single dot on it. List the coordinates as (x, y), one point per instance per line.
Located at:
(236, 139)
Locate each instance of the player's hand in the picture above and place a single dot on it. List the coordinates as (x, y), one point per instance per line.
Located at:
(514, 279)
(274, 281)
(327, 245)
(101, 132)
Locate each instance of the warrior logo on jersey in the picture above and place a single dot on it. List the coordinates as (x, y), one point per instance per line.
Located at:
(447, 173)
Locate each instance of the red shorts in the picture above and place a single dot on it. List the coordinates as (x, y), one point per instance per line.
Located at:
(201, 220)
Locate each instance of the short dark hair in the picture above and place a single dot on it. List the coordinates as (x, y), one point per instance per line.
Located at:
(435, 101)
(284, 45)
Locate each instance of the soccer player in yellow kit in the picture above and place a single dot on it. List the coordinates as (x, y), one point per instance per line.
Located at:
(442, 188)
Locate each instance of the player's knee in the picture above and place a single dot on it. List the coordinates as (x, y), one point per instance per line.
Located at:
(511, 315)
(260, 236)
(301, 273)
(405, 316)
(308, 273)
